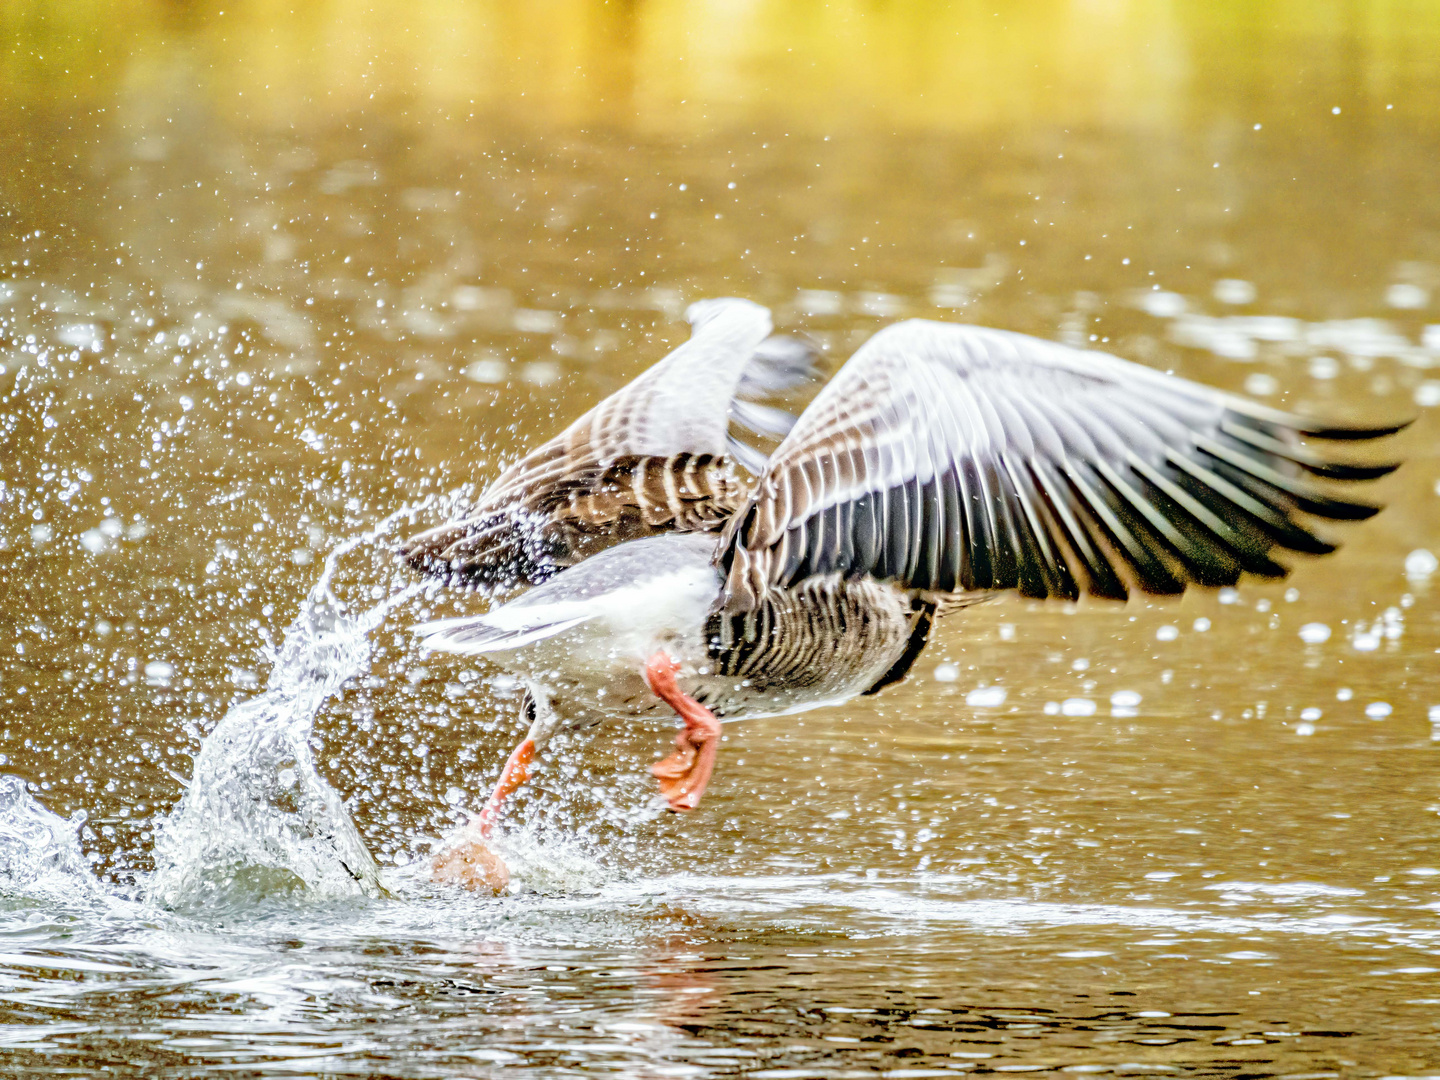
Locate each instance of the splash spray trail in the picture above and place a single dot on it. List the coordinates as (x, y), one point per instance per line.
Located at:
(257, 819)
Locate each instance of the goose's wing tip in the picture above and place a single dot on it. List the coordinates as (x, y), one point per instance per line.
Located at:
(782, 362)
(474, 635)
(1313, 427)
(438, 626)
(1345, 433)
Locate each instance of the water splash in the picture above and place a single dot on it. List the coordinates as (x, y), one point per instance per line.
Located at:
(40, 856)
(258, 820)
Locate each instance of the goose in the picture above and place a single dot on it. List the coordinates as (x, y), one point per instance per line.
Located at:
(654, 458)
(942, 465)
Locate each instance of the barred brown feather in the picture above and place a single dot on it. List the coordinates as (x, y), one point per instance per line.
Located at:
(533, 532)
(650, 458)
(816, 635)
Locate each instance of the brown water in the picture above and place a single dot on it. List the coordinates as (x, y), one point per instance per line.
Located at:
(268, 276)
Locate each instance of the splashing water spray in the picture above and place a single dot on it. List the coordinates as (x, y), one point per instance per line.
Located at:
(257, 819)
(40, 854)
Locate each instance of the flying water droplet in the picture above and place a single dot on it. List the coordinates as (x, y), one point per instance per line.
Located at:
(40, 854)
(986, 697)
(1421, 563)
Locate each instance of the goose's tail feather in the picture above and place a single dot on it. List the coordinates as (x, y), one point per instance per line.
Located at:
(477, 634)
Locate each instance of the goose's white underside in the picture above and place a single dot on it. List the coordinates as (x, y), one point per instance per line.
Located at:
(582, 639)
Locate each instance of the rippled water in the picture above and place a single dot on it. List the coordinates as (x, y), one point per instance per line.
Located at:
(276, 288)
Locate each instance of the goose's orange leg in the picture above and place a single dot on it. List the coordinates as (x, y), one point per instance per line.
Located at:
(467, 859)
(515, 773)
(684, 774)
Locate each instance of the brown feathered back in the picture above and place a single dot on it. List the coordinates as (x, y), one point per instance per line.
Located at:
(545, 519)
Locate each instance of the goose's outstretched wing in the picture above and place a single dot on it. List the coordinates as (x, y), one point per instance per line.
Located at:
(653, 457)
(954, 458)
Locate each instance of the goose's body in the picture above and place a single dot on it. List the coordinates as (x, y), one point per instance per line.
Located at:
(581, 640)
(942, 464)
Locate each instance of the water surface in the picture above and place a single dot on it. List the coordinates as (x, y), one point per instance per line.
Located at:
(268, 278)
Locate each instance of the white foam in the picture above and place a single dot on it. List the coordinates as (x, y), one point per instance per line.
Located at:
(1234, 291)
(40, 854)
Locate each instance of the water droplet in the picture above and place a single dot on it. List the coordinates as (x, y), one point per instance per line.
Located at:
(159, 673)
(1161, 304)
(1260, 384)
(1234, 291)
(540, 372)
(986, 697)
(1427, 394)
(486, 371)
(1421, 563)
(1365, 640)
(1406, 297)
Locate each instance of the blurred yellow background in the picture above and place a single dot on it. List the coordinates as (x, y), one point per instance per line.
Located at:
(672, 65)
